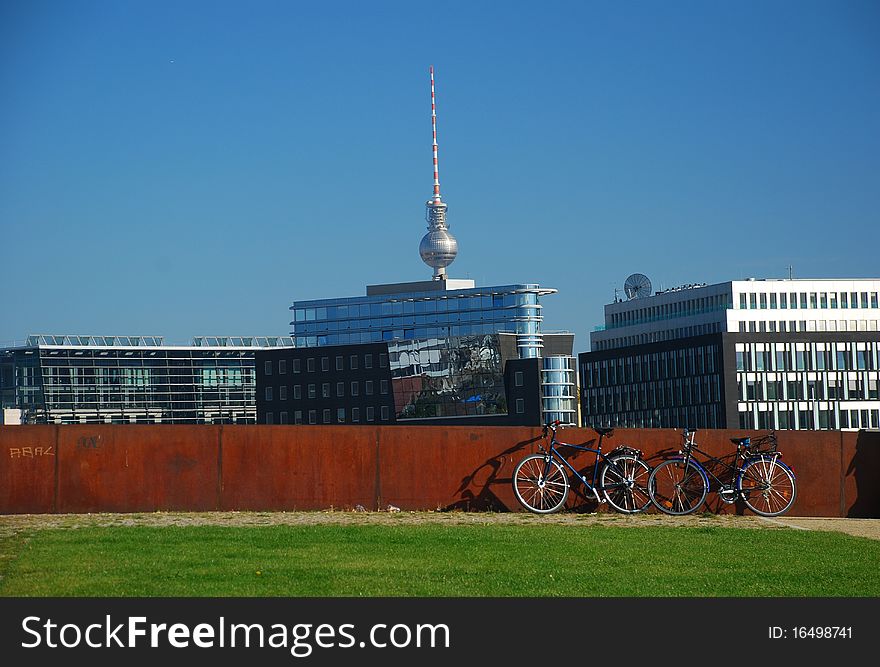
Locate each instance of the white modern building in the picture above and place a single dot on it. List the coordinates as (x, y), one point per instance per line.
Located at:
(741, 306)
(788, 354)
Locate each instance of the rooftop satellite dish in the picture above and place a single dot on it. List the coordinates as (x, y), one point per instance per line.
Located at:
(637, 286)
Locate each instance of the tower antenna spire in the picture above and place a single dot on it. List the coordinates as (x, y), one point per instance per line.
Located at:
(434, 136)
(438, 247)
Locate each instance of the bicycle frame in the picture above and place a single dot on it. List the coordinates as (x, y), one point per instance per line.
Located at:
(554, 452)
(742, 455)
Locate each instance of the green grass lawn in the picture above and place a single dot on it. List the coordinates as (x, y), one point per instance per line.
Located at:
(436, 560)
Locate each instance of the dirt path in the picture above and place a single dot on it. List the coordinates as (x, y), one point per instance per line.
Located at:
(15, 523)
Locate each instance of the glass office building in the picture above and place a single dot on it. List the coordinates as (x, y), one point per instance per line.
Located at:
(131, 379)
(424, 310)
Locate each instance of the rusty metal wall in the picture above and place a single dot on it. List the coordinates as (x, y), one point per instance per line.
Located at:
(137, 468)
(28, 456)
(142, 468)
(298, 468)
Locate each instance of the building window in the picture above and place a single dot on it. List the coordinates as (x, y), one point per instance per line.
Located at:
(339, 366)
(843, 300)
(340, 389)
(310, 365)
(813, 301)
(312, 393)
(282, 394)
(297, 417)
(763, 301)
(753, 300)
(742, 301)
(270, 419)
(297, 392)
(520, 406)
(296, 367)
(383, 386)
(354, 362)
(371, 413)
(368, 387)
(773, 300)
(383, 357)
(368, 361)
(803, 300)
(282, 366)
(269, 393)
(267, 368)
(384, 413)
(325, 390)
(783, 300)
(282, 418)
(518, 379)
(313, 417)
(355, 388)
(325, 363)
(833, 296)
(340, 415)
(355, 415)
(326, 416)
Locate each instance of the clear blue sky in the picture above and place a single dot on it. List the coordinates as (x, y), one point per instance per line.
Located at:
(190, 168)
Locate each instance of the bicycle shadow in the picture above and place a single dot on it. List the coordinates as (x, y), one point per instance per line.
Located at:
(477, 490)
(488, 489)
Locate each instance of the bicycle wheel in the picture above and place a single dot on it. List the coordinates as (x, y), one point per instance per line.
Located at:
(536, 491)
(677, 490)
(624, 481)
(767, 485)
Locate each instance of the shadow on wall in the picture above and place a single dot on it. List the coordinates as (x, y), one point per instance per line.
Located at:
(487, 489)
(480, 496)
(865, 469)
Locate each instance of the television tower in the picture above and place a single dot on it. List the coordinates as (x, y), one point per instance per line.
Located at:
(438, 247)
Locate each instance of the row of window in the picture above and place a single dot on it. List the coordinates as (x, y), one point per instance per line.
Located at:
(831, 386)
(831, 418)
(311, 364)
(807, 356)
(667, 311)
(425, 305)
(312, 390)
(353, 416)
(655, 366)
(419, 333)
(792, 326)
(475, 316)
(652, 395)
(699, 416)
(659, 336)
(807, 300)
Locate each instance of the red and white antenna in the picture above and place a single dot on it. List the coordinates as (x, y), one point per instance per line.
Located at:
(434, 134)
(438, 247)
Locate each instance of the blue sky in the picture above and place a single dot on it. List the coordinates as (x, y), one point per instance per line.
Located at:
(191, 168)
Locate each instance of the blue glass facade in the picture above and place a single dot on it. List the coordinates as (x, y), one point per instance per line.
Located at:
(408, 314)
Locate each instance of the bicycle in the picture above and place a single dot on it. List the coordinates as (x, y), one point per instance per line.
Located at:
(761, 480)
(541, 484)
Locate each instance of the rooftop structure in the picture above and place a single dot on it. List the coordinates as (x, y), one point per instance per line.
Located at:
(62, 379)
(741, 306)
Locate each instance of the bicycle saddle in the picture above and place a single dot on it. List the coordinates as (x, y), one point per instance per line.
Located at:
(602, 430)
(741, 441)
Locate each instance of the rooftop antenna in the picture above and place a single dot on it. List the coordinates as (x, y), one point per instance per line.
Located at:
(790, 270)
(438, 247)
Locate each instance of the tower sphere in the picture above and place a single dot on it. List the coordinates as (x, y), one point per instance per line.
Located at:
(438, 248)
